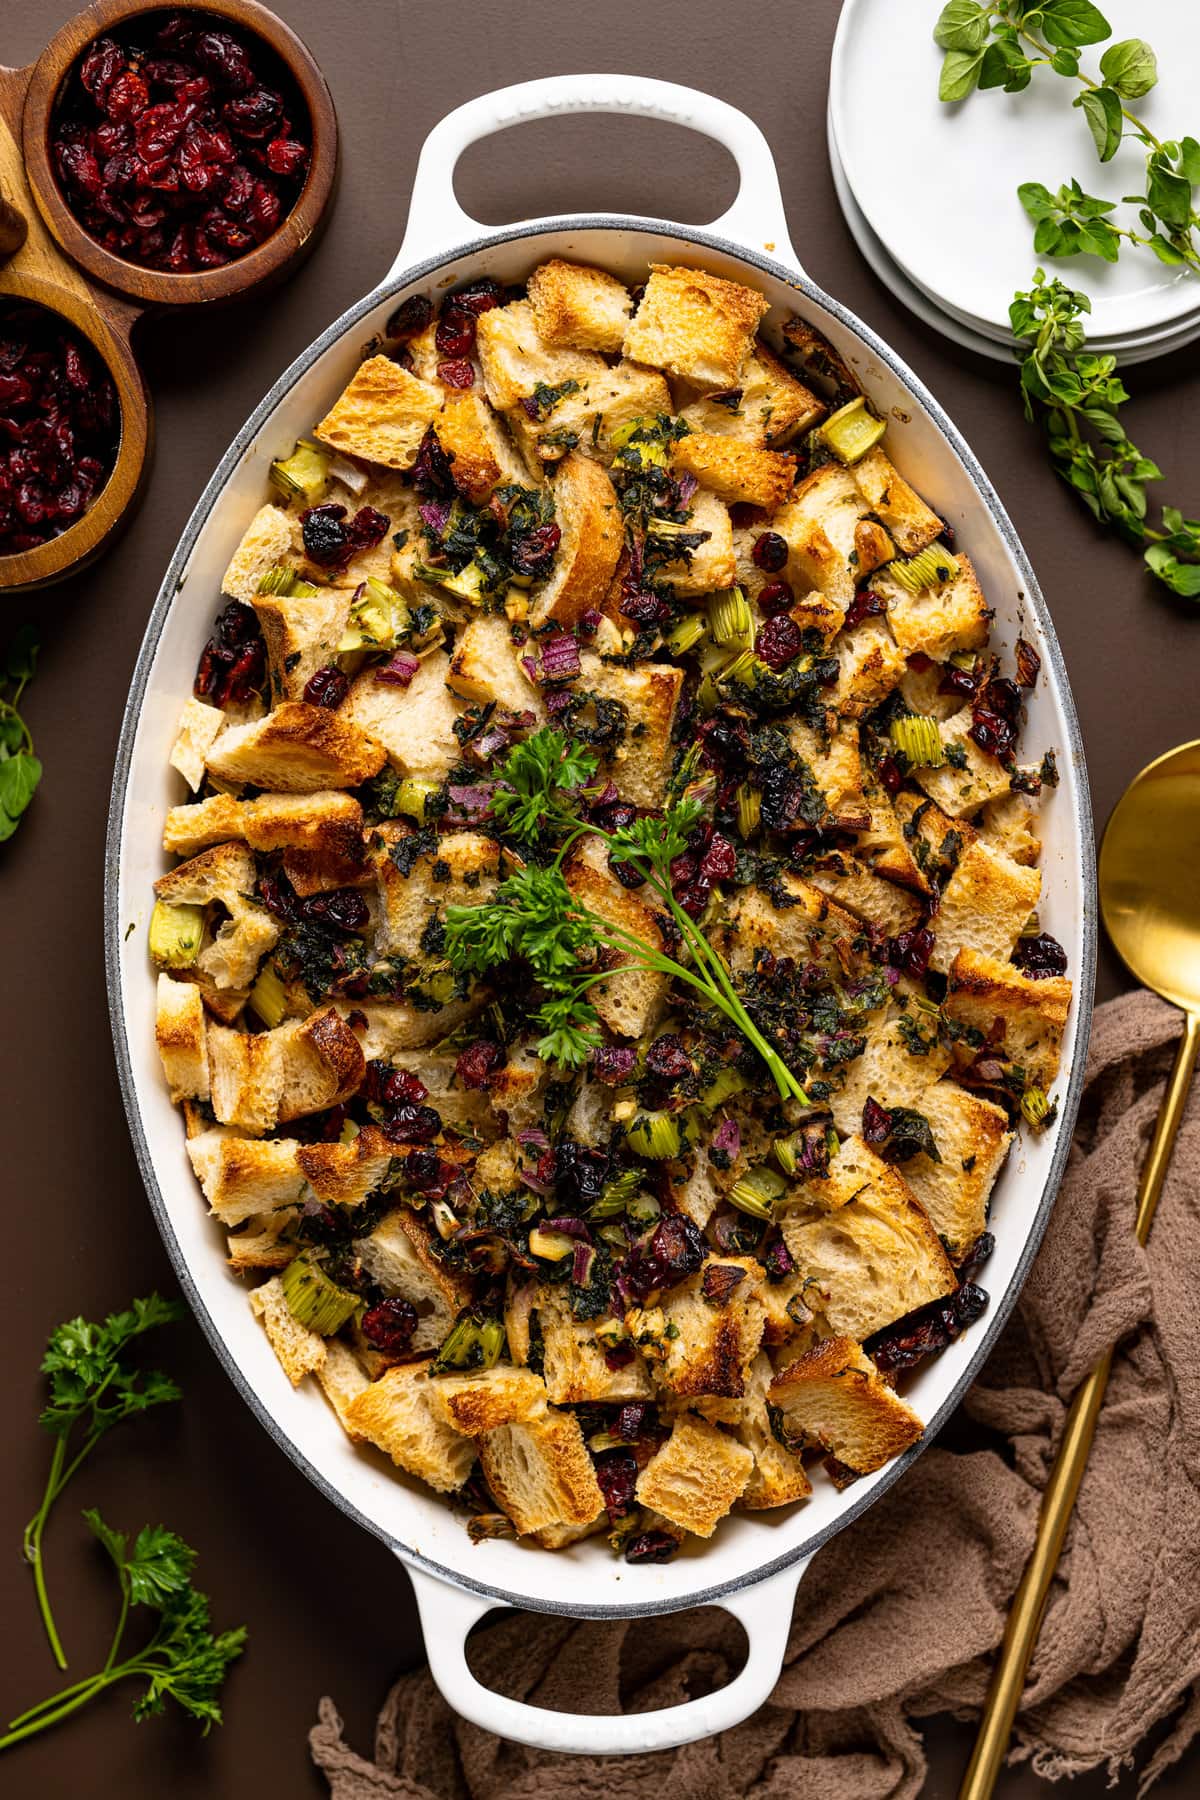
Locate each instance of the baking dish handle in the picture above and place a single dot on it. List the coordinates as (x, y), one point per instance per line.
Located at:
(448, 1613)
(436, 222)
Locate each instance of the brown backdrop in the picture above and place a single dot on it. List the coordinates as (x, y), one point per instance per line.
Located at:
(329, 1611)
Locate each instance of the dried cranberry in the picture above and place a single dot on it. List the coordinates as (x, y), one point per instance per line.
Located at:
(234, 662)
(224, 58)
(1040, 957)
(911, 950)
(326, 539)
(478, 296)
(1028, 661)
(613, 1064)
(651, 1547)
(390, 1326)
(459, 372)
(402, 1087)
(532, 552)
(909, 1340)
(478, 1063)
(866, 604)
(677, 1249)
(579, 1173)
(254, 114)
(719, 861)
(409, 319)
(455, 334)
(127, 98)
(617, 1475)
(779, 642)
(102, 63)
(719, 1282)
(876, 1122)
(776, 597)
(667, 1060)
(326, 686)
(343, 908)
(889, 774)
(413, 1125)
(431, 476)
(285, 156)
(645, 608)
(770, 552)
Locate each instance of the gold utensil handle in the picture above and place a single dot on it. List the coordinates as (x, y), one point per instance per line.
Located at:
(1024, 1622)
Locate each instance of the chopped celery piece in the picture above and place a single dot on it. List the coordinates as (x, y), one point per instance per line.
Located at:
(412, 797)
(552, 1245)
(708, 695)
(784, 1151)
(268, 998)
(639, 443)
(471, 1343)
(924, 570)
(314, 1299)
(378, 618)
(1035, 1104)
(723, 1086)
(1032, 926)
(278, 579)
(654, 1135)
(304, 475)
(730, 620)
(667, 528)
(469, 584)
(919, 739)
(610, 1332)
(757, 1192)
(643, 1209)
(175, 934)
(852, 430)
(616, 1194)
(749, 809)
(744, 670)
(349, 1131)
(686, 634)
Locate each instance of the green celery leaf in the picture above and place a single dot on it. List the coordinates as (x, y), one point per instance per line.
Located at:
(1131, 67)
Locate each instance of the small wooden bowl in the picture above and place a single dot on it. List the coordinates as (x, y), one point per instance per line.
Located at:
(60, 266)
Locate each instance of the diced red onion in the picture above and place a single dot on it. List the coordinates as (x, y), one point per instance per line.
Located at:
(530, 1137)
(400, 671)
(435, 514)
(570, 1227)
(560, 658)
(470, 805)
(728, 1137)
(349, 474)
(581, 1268)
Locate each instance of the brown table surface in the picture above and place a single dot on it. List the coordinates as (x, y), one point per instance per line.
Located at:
(329, 1610)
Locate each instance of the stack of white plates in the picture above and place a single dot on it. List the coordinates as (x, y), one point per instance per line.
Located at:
(929, 191)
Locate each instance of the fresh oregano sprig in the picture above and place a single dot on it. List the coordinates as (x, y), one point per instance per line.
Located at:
(20, 770)
(1000, 44)
(182, 1659)
(533, 916)
(1077, 396)
(92, 1388)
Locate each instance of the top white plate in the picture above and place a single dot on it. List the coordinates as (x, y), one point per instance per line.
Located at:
(938, 184)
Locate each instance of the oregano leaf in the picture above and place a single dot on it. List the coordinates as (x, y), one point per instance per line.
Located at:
(1130, 67)
(960, 73)
(1102, 110)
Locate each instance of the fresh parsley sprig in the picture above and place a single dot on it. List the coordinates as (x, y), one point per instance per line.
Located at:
(999, 45)
(181, 1660)
(20, 770)
(92, 1388)
(533, 916)
(1077, 396)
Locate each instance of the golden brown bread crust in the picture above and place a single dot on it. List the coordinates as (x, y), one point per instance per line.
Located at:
(577, 306)
(833, 1396)
(382, 414)
(696, 1476)
(1025, 1018)
(695, 325)
(297, 749)
(736, 471)
(589, 518)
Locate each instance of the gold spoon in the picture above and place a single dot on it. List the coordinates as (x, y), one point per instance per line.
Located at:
(1150, 903)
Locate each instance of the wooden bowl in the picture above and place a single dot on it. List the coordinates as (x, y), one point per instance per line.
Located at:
(60, 266)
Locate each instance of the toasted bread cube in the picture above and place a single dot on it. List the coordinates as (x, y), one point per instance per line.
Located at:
(903, 1056)
(226, 873)
(809, 927)
(342, 1379)
(460, 870)
(588, 418)
(574, 1366)
(972, 1138)
(382, 414)
(245, 1177)
(393, 1026)
(920, 688)
(853, 885)
(230, 961)
(297, 749)
(516, 360)
(832, 543)
(270, 538)
(199, 727)
(870, 667)
(984, 906)
(489, 1398)
(882, 843)
(320, 1063)
(398, 1414)
(734, 470)
(834, 1396)
(910, 523)
(246, 1077)
(254, 1252)
(557, 1537)
(632, 996)
(578, 308)
(937, 840)
(695, 325)
(696, 1477)
(873, 1259)
(983, 991)
(346, 1174)
(589, 517)
(482, 453)
(785, 1312)
(179, 1032)
(778, 1477)
(971, 779)
(398, 1256)
(484, 667)
(951, 615)
(414, 725)
(1010, 825)
(300, 635)
(715, 1339)
(835, 760)
(271, 822)
(300, 1351)
(695, 1191)
(768, 406)
(711, 567)
(540, 1471)
(648, 695)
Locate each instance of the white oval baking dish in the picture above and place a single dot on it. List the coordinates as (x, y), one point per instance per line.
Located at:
(752, 1565)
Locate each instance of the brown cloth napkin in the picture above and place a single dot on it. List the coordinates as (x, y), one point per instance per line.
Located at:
(899, 1616)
